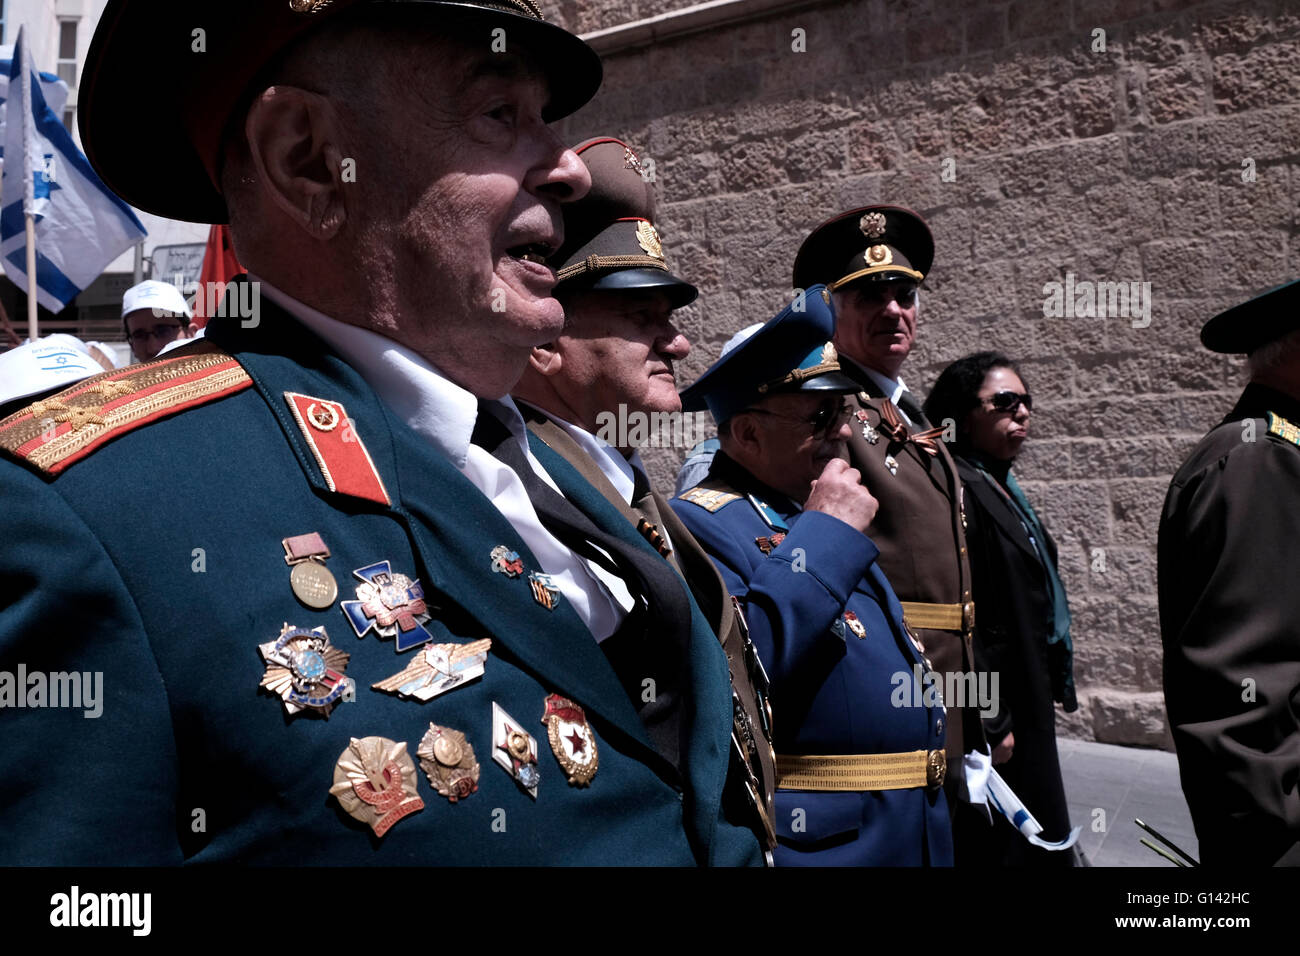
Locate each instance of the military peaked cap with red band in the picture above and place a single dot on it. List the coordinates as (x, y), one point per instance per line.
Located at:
(198, 61)
(610, 240)
(874, 242)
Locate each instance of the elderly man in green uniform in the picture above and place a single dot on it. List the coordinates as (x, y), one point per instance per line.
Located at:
(613, 364)
(1229, 608)
(873, 261)
(370, 645)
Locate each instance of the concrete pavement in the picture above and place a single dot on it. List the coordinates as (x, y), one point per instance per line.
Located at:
(1107, 786)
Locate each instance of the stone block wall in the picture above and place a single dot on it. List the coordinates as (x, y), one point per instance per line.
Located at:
(1144, 141)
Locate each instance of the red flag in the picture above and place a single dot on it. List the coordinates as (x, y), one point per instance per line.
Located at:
(219, 267)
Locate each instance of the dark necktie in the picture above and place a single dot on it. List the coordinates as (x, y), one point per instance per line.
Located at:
(912, 410)
(652, 642)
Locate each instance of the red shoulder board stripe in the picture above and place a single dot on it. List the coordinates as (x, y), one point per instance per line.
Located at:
(338, 449)
(55, 432)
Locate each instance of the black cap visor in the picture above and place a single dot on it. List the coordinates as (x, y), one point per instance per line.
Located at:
(680, 292)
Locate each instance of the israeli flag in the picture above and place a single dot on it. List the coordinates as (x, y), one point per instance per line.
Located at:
(80, 226)
(53, 89)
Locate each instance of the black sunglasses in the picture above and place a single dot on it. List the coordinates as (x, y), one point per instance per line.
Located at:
(822, 421)
(1007, 401)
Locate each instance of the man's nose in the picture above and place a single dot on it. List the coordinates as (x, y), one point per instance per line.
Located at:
(561, 174)
(675, 344)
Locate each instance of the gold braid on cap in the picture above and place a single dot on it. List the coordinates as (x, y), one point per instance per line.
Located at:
(609, 263)
(830, 362)
(874, 270)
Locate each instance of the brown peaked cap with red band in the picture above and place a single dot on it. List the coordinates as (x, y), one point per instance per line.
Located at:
(610, 240)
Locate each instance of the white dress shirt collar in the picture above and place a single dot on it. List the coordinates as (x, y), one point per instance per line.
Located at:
(434, 406)
(620, 471)
(892, 388)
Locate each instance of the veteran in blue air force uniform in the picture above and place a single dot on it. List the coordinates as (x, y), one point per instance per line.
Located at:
(357, 644)
(857, 721)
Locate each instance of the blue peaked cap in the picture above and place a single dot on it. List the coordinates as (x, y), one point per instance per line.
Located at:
(791, 352)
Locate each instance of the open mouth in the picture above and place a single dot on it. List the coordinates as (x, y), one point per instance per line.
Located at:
(537, 252)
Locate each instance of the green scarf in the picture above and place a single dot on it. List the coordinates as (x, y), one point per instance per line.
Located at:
(1060, 650)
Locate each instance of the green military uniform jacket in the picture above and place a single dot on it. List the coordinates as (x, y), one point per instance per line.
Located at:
(154, 559)
(752, 720)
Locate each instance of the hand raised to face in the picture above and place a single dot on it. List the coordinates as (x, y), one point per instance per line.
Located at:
(839, 493)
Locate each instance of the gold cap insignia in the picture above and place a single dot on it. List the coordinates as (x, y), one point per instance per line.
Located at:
(829, 355)
(878, 255)
(872, 225)
(648, 238)
(630, 161)
(308, 6)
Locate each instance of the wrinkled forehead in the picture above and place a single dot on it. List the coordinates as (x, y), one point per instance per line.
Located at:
(476, 66)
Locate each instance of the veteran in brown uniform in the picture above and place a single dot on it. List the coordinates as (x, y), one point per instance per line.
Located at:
(613, 363)
(873, 260)
(1229, 608)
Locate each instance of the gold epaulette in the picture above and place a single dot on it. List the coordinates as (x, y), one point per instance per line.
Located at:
(54, 432)
(1279, 426)
(710, 494)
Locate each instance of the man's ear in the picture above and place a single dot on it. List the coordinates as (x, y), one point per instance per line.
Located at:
(744, 433)
(293, 139)
(546, 359)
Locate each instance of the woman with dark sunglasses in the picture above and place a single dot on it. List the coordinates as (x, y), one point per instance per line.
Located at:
(1022, 631)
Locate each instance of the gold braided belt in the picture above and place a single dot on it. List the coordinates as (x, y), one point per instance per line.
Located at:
(849, 772)
(939, 617)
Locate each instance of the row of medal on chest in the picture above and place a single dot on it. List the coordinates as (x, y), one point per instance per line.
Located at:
(375, 780)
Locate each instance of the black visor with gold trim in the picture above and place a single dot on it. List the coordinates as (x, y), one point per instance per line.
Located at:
(195, 61)
(874, 242)
(610, 240)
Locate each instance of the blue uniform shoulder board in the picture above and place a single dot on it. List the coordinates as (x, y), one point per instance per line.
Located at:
(710, 495)
(1279, 426)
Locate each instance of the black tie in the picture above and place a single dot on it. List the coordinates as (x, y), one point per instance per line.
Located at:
(652, 643)
(913, 411)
